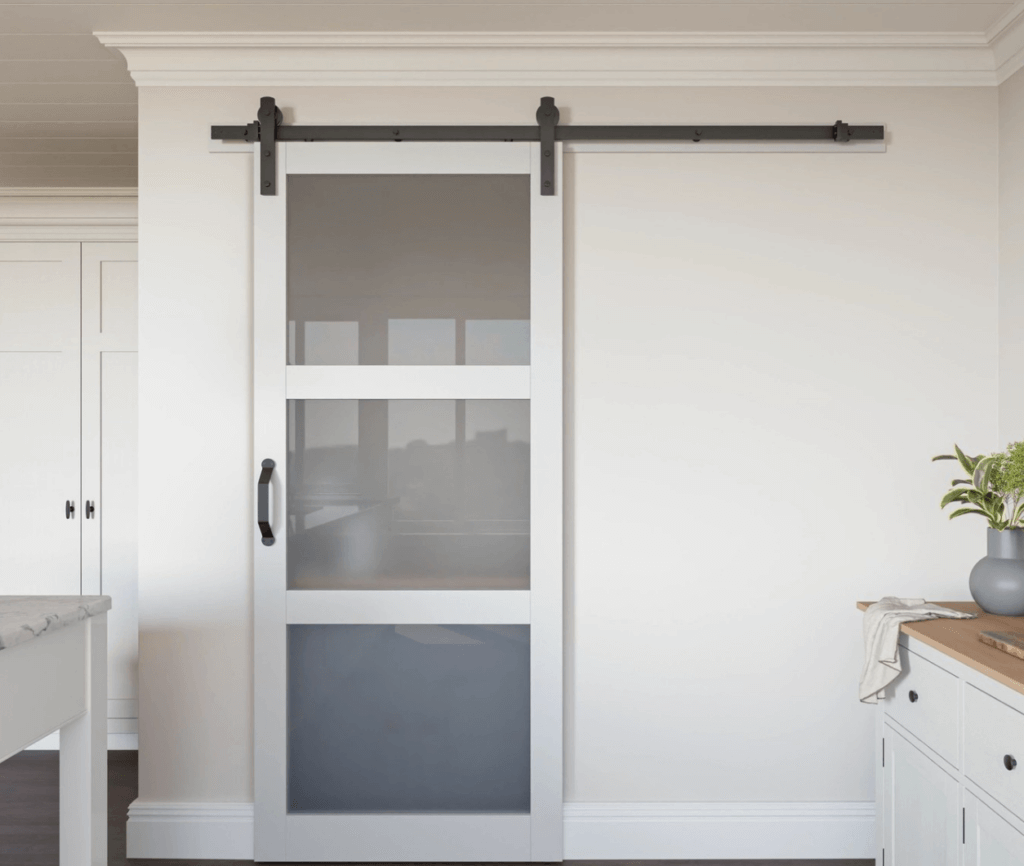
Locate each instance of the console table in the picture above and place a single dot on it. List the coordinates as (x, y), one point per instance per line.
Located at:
(53, 676)
(950, 747)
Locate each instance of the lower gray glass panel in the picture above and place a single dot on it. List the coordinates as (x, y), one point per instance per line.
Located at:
(409, 718)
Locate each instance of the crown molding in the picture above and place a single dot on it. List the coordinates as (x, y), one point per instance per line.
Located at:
(558, 59)
(68, 214)
(1006, 38)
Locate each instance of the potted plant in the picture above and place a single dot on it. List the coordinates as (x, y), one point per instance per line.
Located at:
(994, 489)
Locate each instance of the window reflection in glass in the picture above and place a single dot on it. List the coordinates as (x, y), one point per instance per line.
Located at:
(408, 494)
(408, 269)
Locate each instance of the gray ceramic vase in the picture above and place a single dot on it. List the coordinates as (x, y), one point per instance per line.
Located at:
(997, 581)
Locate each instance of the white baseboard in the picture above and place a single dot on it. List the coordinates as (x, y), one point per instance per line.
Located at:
(593, 831)
(719, 831)
(190, 831)
(114, 741)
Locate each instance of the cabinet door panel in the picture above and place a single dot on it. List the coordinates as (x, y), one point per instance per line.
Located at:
(109, 467)
(989, 840)
(40, 544)
(921, 810)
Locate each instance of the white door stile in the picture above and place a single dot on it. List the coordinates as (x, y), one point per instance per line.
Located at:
(407, 607)
(284, 836)
(270, 723)
(408, 383)
(546, 514)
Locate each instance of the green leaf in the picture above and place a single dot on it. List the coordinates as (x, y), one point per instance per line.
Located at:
(961, 511)
(954, 495)
(983, 473)
(957, 481)
(944, 457)
(965, 461)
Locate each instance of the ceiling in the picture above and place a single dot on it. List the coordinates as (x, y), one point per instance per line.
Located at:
(68, 108)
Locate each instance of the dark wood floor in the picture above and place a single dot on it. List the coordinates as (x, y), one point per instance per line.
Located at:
(29, 809)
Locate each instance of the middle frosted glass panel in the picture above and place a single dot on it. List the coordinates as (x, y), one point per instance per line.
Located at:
(408, 494)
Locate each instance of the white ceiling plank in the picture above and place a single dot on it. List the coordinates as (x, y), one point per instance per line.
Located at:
(50, 46)
(42, 160)
(68, 129)
(59, 177)
(66, 92)
(51, 112)
(36, 71)
(69, 145)
(708, 16)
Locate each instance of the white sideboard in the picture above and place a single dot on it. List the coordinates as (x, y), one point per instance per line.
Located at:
(950, 753)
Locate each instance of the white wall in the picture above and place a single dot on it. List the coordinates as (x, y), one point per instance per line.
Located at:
(1011, 258)
(765, 351)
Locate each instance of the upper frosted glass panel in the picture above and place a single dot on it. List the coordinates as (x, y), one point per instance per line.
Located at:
(409, 269)
(408, 494)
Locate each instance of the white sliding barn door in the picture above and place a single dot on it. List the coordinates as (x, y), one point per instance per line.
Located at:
(408, 607)
(40, 477)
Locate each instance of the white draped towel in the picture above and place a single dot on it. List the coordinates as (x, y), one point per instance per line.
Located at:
(882, 622)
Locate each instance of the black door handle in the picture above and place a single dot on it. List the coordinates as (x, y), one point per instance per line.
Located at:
(263, 502)
(912, 696)
(90, 508)
(1009, 762)
(69, 509)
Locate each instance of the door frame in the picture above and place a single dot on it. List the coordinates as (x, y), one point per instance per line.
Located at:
(536, 836)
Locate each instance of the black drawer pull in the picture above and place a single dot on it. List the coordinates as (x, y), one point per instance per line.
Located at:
(1009, 762)
(912, 696)
(69, 509)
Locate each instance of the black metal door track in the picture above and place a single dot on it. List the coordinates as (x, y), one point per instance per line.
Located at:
(268, 130)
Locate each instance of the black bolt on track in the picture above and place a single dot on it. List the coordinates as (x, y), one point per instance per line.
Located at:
(268, 130)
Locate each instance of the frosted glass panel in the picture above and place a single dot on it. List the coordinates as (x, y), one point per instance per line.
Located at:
(408, 494)
(408, 718)
(409, 269)
(497, 341)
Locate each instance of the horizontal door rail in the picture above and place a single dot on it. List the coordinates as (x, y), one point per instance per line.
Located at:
(268, 130)
(435, 837)
(407, 383)
(408, 607)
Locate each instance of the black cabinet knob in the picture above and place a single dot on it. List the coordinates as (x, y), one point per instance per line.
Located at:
(1009, 762)
(912, 696)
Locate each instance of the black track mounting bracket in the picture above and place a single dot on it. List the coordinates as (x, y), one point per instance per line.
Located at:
(547, 120)
(841, 131)
(270, 118)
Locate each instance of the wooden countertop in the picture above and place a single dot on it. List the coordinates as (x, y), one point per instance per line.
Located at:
(958, 638)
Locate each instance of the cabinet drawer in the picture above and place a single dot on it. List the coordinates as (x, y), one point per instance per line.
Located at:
(993, 741)
(923, 700)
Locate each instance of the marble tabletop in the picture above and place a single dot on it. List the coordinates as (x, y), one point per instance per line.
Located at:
(23, 617)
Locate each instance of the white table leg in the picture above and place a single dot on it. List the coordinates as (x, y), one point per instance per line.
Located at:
(83, 764)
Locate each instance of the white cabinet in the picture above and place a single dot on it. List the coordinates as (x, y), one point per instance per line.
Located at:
(68, 406)
(988, 839)
(40, 538)
(950, 738)
(922, 803)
